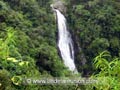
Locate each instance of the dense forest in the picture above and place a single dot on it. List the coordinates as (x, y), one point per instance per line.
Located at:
(28, 43)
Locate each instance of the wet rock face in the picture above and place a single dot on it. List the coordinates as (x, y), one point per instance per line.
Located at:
(58, 4)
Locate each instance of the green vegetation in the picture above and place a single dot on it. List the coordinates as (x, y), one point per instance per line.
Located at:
(96, 24)
(28, 43)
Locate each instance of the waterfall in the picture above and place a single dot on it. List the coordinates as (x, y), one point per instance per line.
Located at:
(65, 42)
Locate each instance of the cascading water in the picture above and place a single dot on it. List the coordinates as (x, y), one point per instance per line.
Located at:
(65, 43)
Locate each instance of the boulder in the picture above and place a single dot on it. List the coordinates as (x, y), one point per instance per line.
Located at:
(58, 4)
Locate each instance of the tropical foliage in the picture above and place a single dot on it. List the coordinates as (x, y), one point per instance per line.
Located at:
(28, 43)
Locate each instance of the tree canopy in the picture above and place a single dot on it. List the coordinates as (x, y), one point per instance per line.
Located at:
(28, 43)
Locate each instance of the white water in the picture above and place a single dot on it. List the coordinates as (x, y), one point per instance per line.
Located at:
(65, 43)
